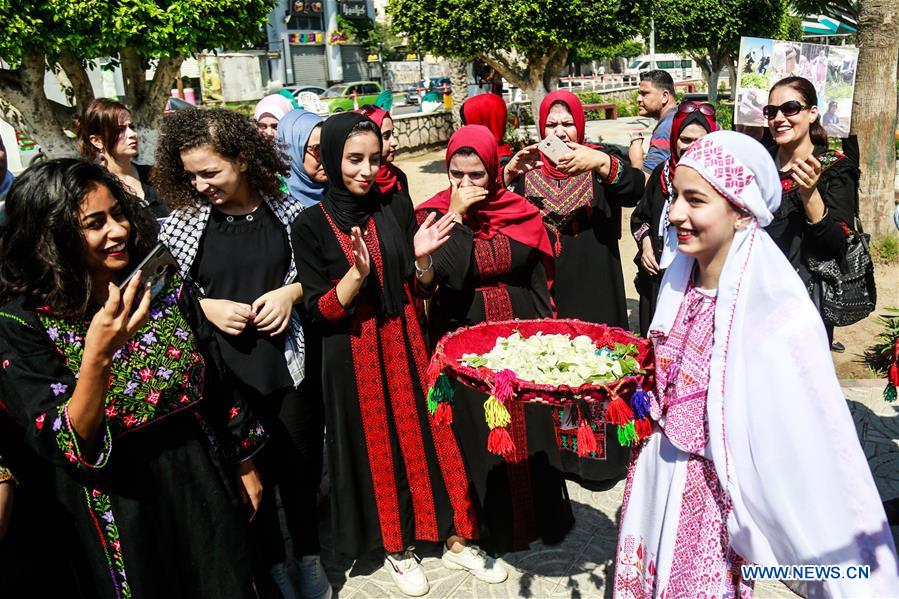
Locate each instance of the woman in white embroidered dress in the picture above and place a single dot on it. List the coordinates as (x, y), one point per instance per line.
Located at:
(755, 458)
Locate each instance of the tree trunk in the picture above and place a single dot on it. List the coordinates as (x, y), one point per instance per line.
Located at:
(874, 111)
(24, 105)
(148, 101)
(458, 69)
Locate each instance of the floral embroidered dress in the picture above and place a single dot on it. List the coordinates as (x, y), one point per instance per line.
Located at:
(681, 550)
(153, 509)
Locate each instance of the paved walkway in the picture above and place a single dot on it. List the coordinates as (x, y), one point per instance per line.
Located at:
(582, 565)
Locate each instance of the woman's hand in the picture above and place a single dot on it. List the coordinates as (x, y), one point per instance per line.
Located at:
(582, 159)
(114, 323)
(250, 486)
(463, 198)
(361, 257)
(525, 160)
(432, 235)
(806, 173)
(227, 316)
(273, 309)
(648, 256)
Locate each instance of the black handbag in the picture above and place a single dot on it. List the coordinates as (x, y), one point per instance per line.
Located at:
(844, 290)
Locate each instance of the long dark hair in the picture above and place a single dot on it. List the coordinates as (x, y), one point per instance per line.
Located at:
(41, 246)
(804, 88)
(230, 134)
(100, 117)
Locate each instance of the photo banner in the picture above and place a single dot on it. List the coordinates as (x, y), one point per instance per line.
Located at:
(764, 62)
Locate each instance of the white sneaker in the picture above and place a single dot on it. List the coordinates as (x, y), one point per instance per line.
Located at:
(473, 559)
(407, 573)
(313, 580)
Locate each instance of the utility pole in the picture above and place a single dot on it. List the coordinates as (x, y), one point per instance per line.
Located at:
(652, 43)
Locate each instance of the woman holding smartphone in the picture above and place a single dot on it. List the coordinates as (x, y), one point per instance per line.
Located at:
(229, 232)
(108, 391)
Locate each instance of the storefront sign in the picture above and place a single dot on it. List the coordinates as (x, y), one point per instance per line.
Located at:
(307, 37)
(353, 9)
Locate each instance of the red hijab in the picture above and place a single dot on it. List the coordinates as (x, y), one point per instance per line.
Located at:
(679, 123)
(501, 211)
(387, 174)
(573, 103)
(488, 110)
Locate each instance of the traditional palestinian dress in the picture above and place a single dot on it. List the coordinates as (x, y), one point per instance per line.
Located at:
(493, 268)
(650, 217)
(729, 474)
(582, 214)
(396, 477)
(153, 511)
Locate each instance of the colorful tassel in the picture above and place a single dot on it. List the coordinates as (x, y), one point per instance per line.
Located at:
(432, 400)
(496, 413)
(433, 370)
(626, 434)
(586, 440)
(893, 374)
(444, 414)
(640, 402)
(889, 393)
(643, 428)
(504, 385)
(618, 412)
(500, 442)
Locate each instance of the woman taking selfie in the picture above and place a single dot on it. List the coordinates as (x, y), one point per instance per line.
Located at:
(106, 134)
(396, 477)
(229, 232)
(108, 388)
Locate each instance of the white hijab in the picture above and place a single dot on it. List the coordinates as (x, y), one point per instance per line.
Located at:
(780, 433)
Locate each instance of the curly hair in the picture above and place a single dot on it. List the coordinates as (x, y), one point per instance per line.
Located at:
(42, 245)
(231, 135)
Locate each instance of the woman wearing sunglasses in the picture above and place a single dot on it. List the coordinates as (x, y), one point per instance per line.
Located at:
(299, 135)
(820, 186)
(649, 221)
(580, 199)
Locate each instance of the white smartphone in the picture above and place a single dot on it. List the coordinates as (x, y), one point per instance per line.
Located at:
(553, 147)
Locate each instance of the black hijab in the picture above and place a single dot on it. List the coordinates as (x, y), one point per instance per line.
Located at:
(348, 210)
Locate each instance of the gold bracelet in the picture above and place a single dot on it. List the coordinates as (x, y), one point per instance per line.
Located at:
(823, 216)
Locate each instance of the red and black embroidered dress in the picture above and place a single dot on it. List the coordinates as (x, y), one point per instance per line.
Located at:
(494, 267)
(152, 511)
(396, 478)
(582, 214)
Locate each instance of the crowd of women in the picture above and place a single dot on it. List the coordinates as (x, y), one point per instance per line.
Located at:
(169, 441)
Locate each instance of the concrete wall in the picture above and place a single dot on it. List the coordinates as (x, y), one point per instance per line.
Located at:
(416, 132)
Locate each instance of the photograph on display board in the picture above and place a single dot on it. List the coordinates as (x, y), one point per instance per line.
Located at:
(830, 69)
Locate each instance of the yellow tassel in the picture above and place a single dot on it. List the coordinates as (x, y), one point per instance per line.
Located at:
(496, 413)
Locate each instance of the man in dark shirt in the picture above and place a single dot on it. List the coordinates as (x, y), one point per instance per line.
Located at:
(656, 100)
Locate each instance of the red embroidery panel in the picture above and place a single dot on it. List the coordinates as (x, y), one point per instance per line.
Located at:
(405, 417)
(519, 472)
(455, 476)
(494, 257)
(330, 306)
(497, 304)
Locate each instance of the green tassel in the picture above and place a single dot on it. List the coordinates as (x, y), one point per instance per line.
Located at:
(440, 392)
(627, 434)
(889, 394)
(432, 400)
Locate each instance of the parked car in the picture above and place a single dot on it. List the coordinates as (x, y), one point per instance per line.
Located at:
(441, 85)
(339, 98)
(296, 90)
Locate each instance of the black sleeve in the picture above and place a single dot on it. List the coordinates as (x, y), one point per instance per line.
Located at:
(319, 293)
(627, 189)
(643, 221)
(453, 261)
(540, 290)
(35, 388)
(839, 190)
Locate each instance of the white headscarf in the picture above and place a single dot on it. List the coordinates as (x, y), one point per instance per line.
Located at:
(275, 105)
(780, 433)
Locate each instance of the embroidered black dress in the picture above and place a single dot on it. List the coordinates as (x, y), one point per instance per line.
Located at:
(524, 498)
(153, 512)
(582, 215)
(396, 478)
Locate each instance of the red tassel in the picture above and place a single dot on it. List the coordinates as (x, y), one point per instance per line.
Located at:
(894, 374)
(618, 412)
(586, 440)
(500, 442)
(444, 414)
(433, 371)
(643, 427)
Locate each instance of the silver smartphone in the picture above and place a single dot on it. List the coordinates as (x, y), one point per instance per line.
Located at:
(155, 269)
(553, 148)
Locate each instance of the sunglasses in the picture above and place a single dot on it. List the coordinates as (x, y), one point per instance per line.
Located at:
(368, 109)
(688, 107)
(315, 150)
(791, 108)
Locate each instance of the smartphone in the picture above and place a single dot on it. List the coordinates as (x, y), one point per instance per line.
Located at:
(553, 147)
(155, 269)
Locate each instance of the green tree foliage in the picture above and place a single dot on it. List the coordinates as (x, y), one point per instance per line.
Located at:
(67, 35)
(527, 41)
(709, 30)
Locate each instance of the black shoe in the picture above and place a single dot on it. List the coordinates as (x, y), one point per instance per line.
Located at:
(837, 347)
